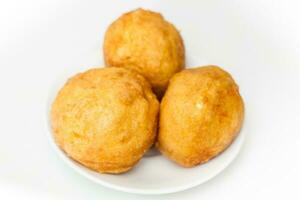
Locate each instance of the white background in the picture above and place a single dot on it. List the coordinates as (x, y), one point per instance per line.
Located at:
(258, 41)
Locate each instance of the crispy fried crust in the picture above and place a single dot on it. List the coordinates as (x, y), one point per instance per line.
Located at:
(200, 115)
(105, 119)
(144, 41)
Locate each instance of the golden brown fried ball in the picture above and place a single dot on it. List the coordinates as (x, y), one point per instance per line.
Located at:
(105, 119)
(200, 115)
(144, 41)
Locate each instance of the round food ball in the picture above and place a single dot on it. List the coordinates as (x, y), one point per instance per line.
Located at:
(144, 41)
(200, 115)
(105, 118)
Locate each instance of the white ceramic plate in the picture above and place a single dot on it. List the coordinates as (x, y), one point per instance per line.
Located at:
(154, 174)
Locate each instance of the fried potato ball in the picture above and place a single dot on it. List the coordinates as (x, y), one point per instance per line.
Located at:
(105, 118)
(144, 41)
(200, 115)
